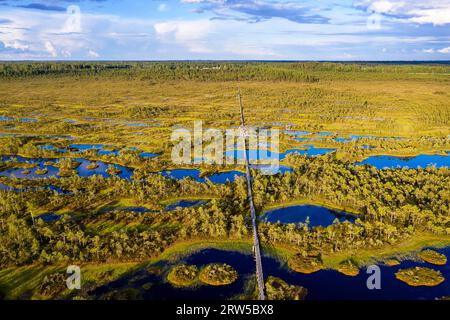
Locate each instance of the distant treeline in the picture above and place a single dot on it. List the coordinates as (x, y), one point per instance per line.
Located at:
(216, 71)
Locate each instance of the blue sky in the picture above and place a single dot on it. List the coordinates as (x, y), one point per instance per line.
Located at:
(224, 29)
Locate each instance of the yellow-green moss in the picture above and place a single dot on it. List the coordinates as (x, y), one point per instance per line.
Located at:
(183, 275)
(420, 276)
(305, 264)
(433, 257)
(278, 289)
(348, 268)
(218, 274)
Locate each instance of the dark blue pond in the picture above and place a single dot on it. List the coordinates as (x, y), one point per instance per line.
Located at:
(29, 120)
(322, 285)
(267, 155)
(82, 170)
(423, 161)
(271, 170)
(99, 148)
(49, 217)
(184, 204)
(58, 190)
(224, 177)
(219, 178)
(135, 209)
(148, 155)
(84, 147)
(179, 174)
(318, 216)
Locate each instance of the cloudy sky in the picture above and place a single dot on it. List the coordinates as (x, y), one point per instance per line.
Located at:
(224, 29)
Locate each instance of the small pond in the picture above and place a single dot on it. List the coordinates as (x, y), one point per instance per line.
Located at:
(317, 215)
(423, 161)
(184, 204)
(322, 285)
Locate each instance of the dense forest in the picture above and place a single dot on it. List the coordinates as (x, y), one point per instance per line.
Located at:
(217, 71)
(391, 205)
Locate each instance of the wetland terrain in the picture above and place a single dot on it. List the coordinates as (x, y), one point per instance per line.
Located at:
(87, 179)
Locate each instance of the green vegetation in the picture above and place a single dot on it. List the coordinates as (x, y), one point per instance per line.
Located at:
(41, 171)
(305, 264)
(218, 274)
(92, 166)
(433, 257)
(278, 289)
(183, 275)
(349, 268)
(392, 262)
(113, 170)
(419, 276)
(132, 107)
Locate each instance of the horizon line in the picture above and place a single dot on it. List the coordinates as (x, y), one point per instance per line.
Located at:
(232, 60)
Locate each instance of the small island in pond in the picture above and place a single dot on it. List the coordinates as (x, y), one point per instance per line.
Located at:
(92, 166)
(420, 276)
(183, 275)
(392, 262)
(349, 268)
(218, 274)
(278, 289)
(433, 257)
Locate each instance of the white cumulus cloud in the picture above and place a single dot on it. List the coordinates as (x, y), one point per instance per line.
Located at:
(50, 49)
(444, 50)
(436, 12)
(93, 54)
(191, 34)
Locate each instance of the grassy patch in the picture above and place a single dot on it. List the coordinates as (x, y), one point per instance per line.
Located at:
(305, 263)
(278, 289)
(433, 257)
(183, 275)
(419, 276)
(349, 268)
(392, 262)
(218, 274)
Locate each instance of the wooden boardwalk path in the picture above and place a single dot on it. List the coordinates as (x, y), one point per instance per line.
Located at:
(256, 247)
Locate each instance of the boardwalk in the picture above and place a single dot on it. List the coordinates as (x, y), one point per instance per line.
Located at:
(256, 248)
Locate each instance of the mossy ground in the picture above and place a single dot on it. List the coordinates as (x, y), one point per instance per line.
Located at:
(183, 275)
(218, 274)
(305, 263)
(419, 276)
(349, 268)
(433, 257)
(278, 289)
